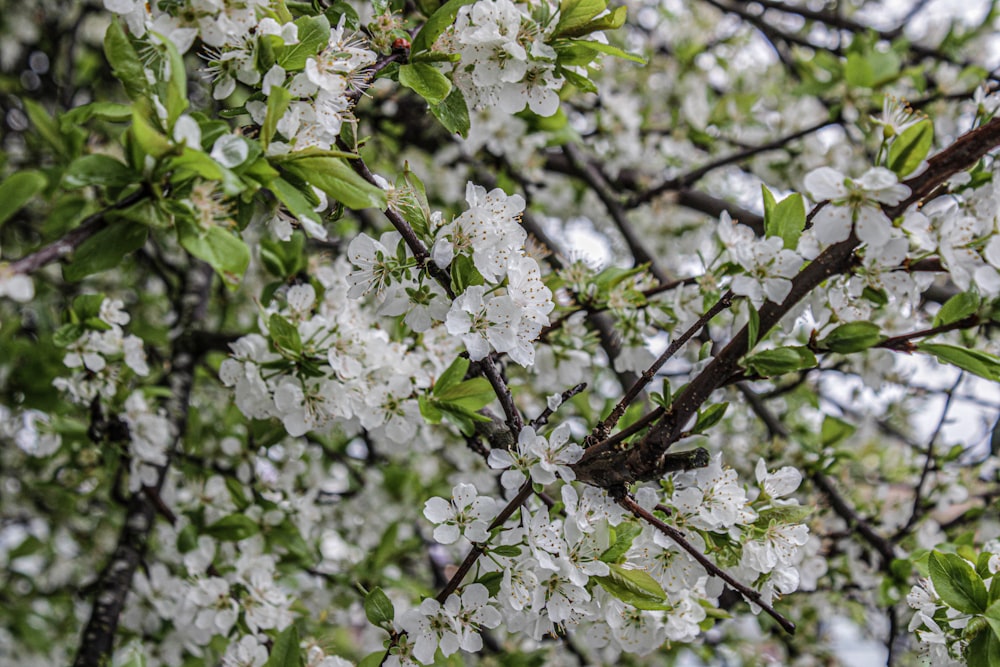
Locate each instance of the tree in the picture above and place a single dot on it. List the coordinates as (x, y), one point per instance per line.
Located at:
(527, 332)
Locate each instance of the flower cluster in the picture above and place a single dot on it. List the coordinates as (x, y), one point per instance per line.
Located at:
(333, 365)
(94, 354)
(504, 304)
(506, 60)
(557, 573)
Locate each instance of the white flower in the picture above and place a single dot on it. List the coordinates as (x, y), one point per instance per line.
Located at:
(375, 262)
(468, 513)
(779, 483)
(482, 321)
(854, 202)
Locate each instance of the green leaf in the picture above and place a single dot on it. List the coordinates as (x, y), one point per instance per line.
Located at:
(314, 35)
(957, 308)
(176, 97)
(835, 430)
(624, 534)
(453, 113)
(633, 587)
(150, 140)
(709, 418)
(223, 250)
(125, 63)
(957, 583)
(17, 190)
(780, 360)
(608, 49)
(285, 651)
(294, 200)
(284, 335)
(425, 80)
(492, 582)
(910, 148)
(277, 105)
(475, 389)
(785, 219)
(334, 177)
(373, 659)
(983, 651)
(992, 616)
(574, 14)
(980, 363)
(611, 21)
(784, 514)
(506, 550)
(46, 126)
(436, 24)
(753, 327)
(452, 375)
(379, 609)
(109, 111)
(100, 170)
(464, 274)
(105, 250)
(871, 70)
(233, 528)
(852, 337)
(428, 410)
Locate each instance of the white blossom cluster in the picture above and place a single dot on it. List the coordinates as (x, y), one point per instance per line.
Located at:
(505, 312)
(202, 603)
(320, 103)
(95, 354)
(552, 568)
(506, 61)
(233, 33)
(348, 368)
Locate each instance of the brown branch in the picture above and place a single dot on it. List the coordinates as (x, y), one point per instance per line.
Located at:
(112, 588)
(685, 181)
(644, 461)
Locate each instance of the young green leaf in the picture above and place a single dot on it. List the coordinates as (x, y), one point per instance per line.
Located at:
(852, 337)
(452, 375)
(379, 609)
(780, 360)
(453, 113)
(220, 248)
(425, 80)
(314, 35)
(633, 587)
(709, 417)
(105, 250)
(785, 219)
(957, 308)
(334, 177)
(18, 189)
(910, 148)
(957, 583)
(983, 364)
(233, 528)
(284, 335)
(285, 651)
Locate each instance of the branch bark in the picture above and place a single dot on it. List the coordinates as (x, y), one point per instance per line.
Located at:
(115, 582)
